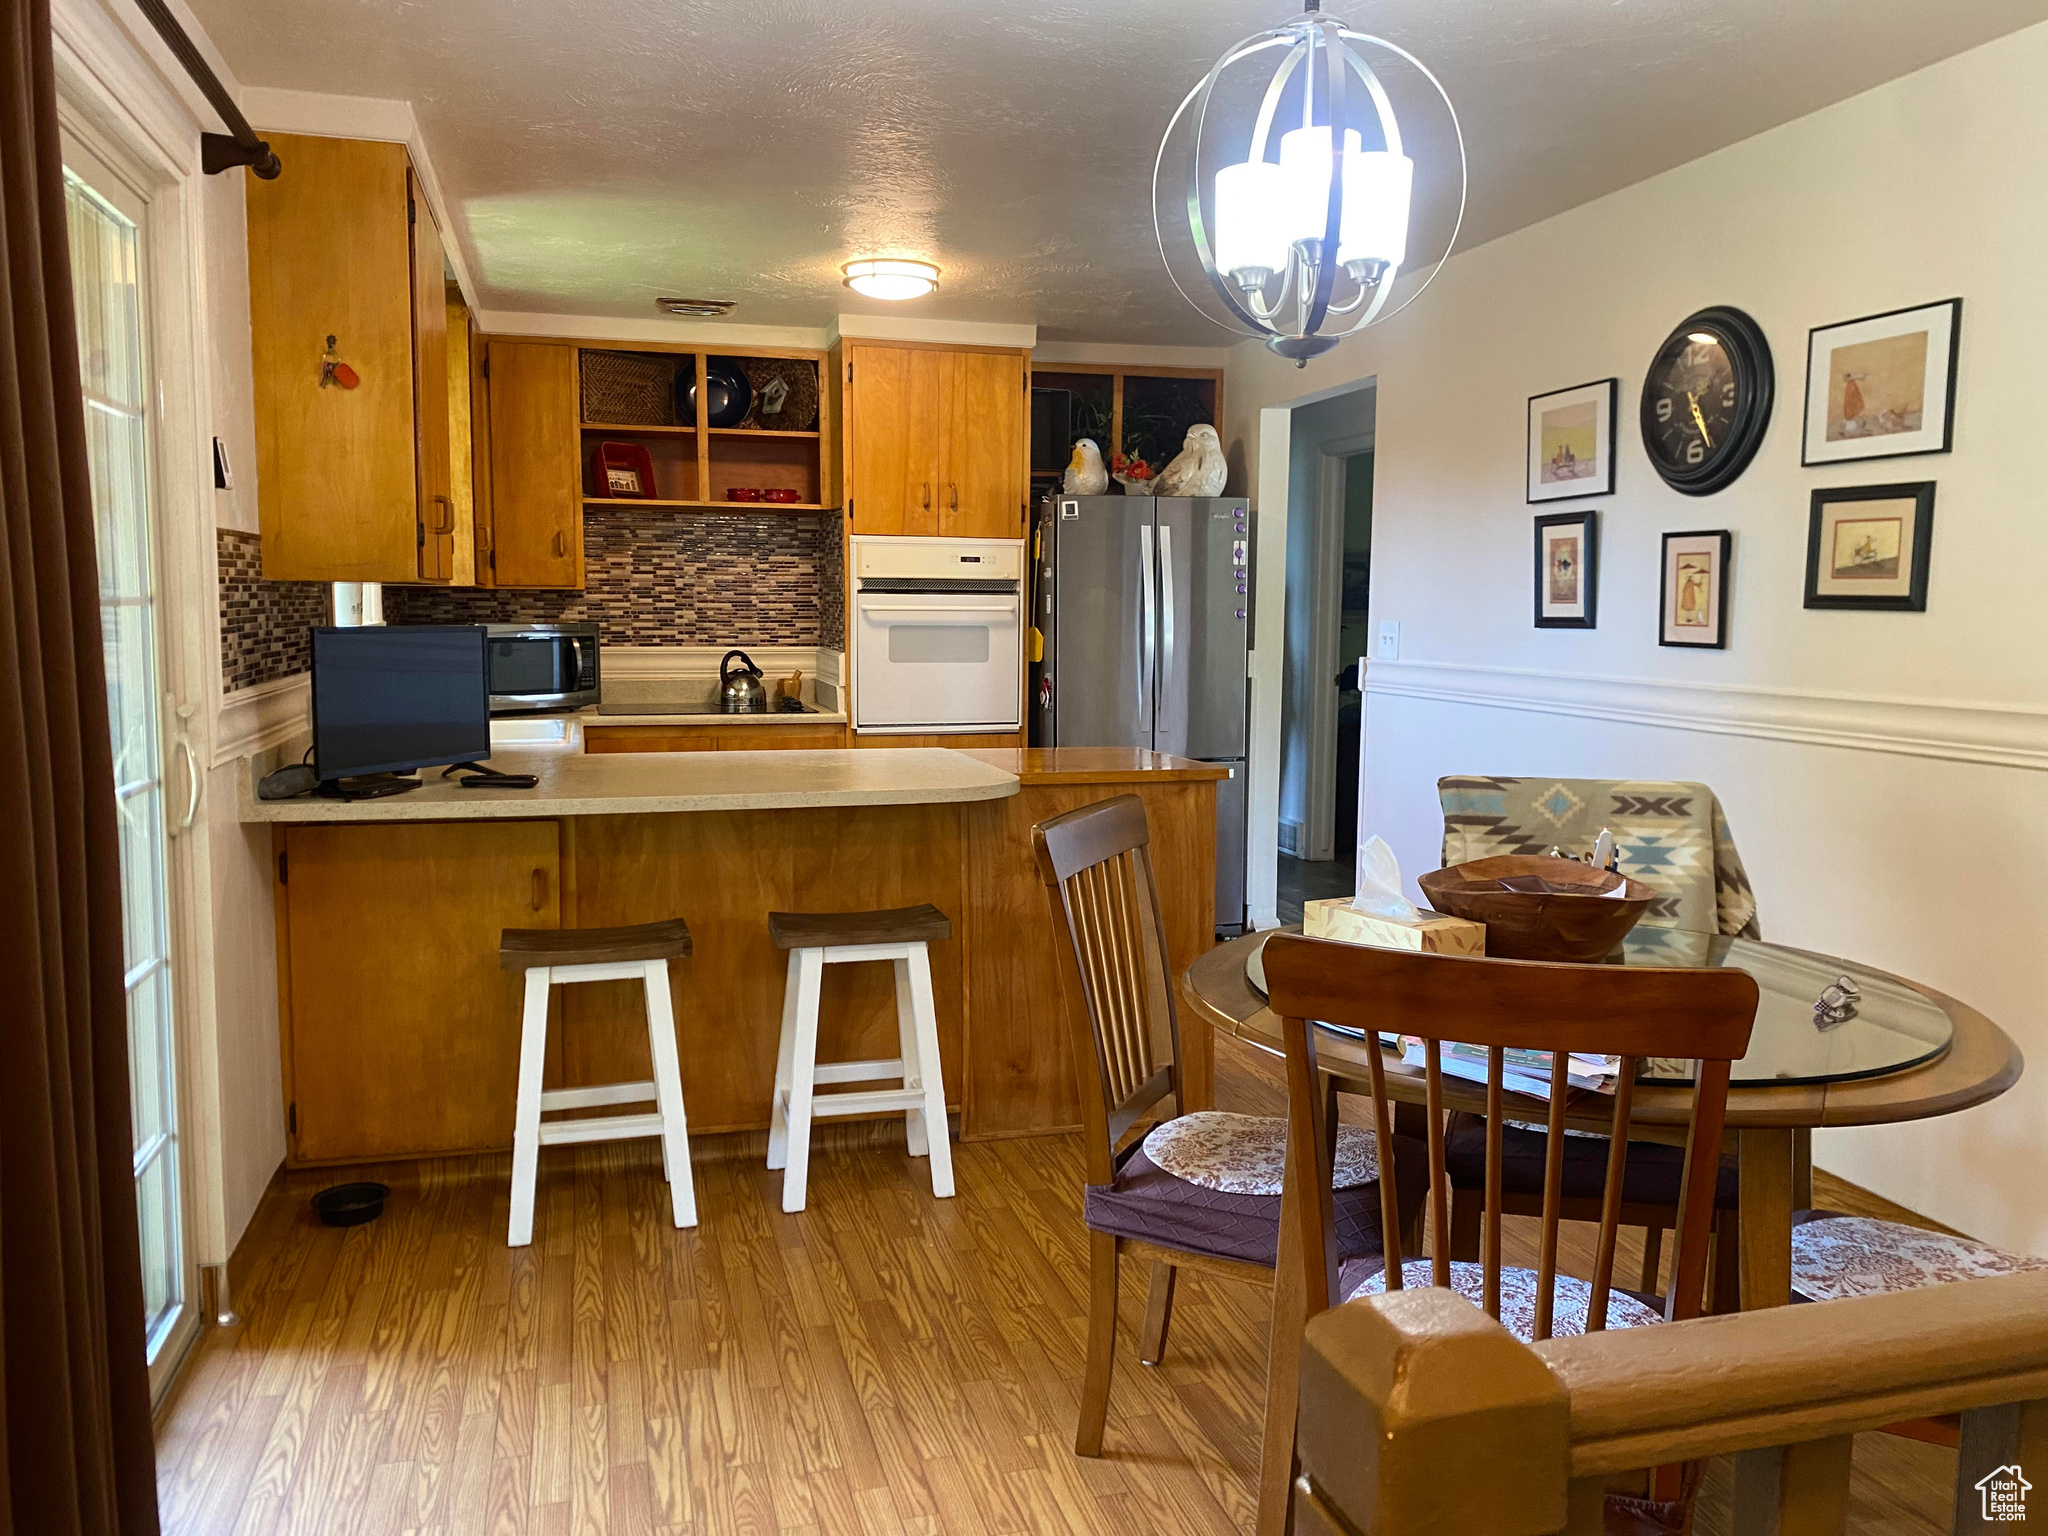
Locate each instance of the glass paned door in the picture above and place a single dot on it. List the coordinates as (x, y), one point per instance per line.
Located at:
(106, 227)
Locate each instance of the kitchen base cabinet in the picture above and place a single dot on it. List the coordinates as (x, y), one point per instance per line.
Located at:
(706, 738)
(957, 743)
(389, 990)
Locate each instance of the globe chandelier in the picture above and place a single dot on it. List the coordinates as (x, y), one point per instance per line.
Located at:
(1304, 249)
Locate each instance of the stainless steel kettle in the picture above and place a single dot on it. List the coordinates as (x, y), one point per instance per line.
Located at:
(740, 691)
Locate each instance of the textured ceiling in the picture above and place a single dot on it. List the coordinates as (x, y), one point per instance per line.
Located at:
(600, 153)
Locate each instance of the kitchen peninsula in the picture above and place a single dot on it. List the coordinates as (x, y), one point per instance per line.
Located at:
(401, 1033)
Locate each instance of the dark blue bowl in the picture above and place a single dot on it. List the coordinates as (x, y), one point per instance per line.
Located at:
(728, 396)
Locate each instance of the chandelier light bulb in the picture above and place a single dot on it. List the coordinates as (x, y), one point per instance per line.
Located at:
(889, 278)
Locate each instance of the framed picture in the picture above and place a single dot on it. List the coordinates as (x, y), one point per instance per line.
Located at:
(1571, 442)
(1567, 570)
(1866, 546)
(1883, 387)
(1692, 591)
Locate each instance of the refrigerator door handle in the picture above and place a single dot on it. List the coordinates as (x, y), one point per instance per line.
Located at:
(1147, 624)
(1167, 647)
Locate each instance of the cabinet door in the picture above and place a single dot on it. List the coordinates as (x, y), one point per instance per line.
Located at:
(985, 448)
(402, 1032)
(329, 256)
(649, 738)
(535, 484)
(892, 425)
(436, 500)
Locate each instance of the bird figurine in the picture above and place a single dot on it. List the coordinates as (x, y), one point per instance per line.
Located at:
(1087, 475)
(1198, 469)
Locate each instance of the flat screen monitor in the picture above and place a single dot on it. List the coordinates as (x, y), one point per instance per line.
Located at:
(389, 698)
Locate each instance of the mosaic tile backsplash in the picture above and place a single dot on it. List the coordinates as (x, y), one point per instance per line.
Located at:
(263, 624)
(652, 579)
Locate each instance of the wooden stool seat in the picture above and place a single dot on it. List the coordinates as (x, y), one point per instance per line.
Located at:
(831, 930)
(520, 949)
(818, 939)
(552, 958)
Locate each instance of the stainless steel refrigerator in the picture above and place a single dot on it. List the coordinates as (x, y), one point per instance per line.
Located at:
(1144, 607)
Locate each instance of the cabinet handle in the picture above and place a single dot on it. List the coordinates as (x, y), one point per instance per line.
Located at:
(953, 495)
(540, 889)
(561, 544)
(449, 526)
(925, 496)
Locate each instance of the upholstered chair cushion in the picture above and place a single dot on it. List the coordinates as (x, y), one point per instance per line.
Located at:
(1652, 1176)
(1836, 1256)
(1247, 1154)
(1221, 1216)
(1572, 1304)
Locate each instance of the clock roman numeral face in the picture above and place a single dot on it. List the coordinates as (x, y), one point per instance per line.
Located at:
(1692, 396)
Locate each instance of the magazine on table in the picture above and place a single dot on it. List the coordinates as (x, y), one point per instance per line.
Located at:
(1522, 1071)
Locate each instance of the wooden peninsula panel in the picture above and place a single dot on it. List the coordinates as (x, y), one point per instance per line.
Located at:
(401, 1033)
(1020, 1068)
(724, 875)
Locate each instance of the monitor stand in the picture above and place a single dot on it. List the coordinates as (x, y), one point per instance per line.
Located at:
(368, 786)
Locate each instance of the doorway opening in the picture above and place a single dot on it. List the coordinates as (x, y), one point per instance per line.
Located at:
(1329, 562)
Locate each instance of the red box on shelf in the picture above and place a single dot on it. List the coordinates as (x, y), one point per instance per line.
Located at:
(623, 470)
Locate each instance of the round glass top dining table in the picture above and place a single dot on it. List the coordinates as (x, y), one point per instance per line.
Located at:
(1868, 1023)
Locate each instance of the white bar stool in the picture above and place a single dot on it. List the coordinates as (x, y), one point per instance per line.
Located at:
(553, 957)
(818, 939)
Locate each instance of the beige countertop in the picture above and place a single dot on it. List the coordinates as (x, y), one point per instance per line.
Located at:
(639, 783)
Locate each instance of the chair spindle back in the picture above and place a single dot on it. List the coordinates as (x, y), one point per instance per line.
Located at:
(1503, 1005)
(1097, 866)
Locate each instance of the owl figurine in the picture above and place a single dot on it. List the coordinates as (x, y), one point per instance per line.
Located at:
(1198, 469)
(1086, 475)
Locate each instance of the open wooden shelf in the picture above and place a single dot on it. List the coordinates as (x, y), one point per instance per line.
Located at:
(709, 506)
(627, 428)
(753, 432)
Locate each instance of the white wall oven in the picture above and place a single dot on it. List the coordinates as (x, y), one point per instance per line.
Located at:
(938, 635)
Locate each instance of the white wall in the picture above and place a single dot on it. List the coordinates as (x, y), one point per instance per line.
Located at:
(1886, 774)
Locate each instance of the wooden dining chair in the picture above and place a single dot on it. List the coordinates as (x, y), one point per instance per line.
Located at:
(1199, 1190)
(1629, 1012)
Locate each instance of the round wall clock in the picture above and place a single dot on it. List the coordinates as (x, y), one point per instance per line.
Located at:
(1707, 400)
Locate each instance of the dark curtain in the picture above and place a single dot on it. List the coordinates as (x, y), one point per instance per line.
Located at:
(76, 1457)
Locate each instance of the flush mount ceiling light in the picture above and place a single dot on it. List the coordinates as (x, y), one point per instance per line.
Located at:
(1305, 249)
(711, 308)
(891, 279)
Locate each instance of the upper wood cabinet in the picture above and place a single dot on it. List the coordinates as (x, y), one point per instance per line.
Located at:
(935, 440)
(529, 499)
(352, 483)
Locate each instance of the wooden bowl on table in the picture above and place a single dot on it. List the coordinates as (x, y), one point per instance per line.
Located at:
(1540, 908)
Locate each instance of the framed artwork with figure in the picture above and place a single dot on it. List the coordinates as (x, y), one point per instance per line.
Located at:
(1867, 546)
(1883, 387)
(1571, 442)
(1567, 570)
(1692, 590)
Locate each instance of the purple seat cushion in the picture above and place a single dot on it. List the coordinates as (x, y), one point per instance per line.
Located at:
(1148, 1203)
(1652, 1176)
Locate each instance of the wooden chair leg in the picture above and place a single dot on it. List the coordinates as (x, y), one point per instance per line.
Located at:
(533, 1051)
(1467, 1206)
(1653, 1258)
(1102, 1266)
(1158, 1314)
(1727, 1283)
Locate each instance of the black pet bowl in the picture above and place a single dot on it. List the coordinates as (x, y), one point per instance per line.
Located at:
(350, 1205)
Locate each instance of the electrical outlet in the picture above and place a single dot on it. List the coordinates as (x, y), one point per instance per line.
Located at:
(1387, 647)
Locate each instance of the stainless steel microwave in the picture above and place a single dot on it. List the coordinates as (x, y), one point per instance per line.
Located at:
(541, 666)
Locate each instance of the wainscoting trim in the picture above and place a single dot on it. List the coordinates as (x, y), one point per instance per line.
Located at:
(262, 716)
(2011, 736)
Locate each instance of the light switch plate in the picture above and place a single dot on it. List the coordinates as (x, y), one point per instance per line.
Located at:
(1387, 647)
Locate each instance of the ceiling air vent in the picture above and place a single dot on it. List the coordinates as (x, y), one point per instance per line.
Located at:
(699, 307)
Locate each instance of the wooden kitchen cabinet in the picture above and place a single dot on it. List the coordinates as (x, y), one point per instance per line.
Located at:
(362, 960)
(935, 440)
(705, 738)
(353, 483)
(530, 496)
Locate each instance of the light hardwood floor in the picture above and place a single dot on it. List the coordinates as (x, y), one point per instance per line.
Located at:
(882, 1362)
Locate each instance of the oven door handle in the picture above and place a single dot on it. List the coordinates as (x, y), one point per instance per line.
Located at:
(990, 608)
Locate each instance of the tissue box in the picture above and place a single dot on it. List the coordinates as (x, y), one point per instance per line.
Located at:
(1434, 932)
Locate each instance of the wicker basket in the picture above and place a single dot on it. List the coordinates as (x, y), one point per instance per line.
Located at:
(630, 388)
